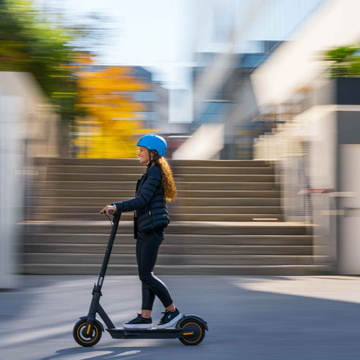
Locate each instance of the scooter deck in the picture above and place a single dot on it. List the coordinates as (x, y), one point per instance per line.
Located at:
(148, 333)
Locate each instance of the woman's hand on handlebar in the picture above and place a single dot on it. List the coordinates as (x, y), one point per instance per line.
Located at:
(108, 209)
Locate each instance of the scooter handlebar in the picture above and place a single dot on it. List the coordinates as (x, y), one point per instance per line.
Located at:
(116, 215)
(110, 211)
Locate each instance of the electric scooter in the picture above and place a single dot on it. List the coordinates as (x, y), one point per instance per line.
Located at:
(190, 329)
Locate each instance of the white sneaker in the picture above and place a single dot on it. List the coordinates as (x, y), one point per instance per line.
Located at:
(170, 318)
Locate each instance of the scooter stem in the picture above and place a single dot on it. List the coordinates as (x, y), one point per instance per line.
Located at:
(109, 247)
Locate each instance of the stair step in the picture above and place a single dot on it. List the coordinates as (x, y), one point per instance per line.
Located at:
(116, 269)
(228, 217)
(228, 210)
(112, 178)
(211, 170)
(77, 213)
(180, 240)
(176, 227)
(101, 201)
(166, 259)
(227, 220)
(231, 193)
(129, 185)
(128, 194)
(239, 185)
(135, 162)
(170, 249)
(139, 169)
(192, 210)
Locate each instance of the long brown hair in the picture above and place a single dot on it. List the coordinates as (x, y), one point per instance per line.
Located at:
(167, 181)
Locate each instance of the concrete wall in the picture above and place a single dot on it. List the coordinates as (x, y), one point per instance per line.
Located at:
(320, 150)
(27, 129)
(348, 183)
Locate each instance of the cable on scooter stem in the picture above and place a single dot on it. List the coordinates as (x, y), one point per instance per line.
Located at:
(116, 217)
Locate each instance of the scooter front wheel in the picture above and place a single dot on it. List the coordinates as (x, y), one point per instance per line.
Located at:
(194, 331)
(87, 335)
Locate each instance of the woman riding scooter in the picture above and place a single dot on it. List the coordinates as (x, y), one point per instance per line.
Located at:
(151, 217)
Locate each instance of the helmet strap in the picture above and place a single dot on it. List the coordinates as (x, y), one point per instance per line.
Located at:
(152, 159)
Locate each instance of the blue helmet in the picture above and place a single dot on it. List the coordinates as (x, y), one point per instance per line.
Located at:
(153, 142)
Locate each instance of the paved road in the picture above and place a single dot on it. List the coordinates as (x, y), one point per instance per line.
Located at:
(250, 318)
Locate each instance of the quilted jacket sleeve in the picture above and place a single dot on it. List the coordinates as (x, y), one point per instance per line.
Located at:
(146, 191)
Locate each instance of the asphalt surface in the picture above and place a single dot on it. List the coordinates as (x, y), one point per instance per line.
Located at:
(249, 318)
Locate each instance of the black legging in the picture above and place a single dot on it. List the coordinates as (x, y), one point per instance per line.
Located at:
(147, 247)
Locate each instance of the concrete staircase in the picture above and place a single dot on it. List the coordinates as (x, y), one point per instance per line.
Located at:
(227, 220)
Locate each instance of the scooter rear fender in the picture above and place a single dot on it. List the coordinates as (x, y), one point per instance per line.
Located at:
(195, 317)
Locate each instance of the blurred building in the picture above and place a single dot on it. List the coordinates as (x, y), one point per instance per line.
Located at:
(160, 106)
(233, 39)
(155, 99)
(282, 101)
(316, 148)
(234, 104)
(153, 113)
(156, 113)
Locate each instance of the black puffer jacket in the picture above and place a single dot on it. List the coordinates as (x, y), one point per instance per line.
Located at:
(149, 202)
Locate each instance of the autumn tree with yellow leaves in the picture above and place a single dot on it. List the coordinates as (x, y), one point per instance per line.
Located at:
(97, 100)
(110, 121)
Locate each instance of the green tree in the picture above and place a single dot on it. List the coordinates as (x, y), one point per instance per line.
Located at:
(29, 42)
(345, 61)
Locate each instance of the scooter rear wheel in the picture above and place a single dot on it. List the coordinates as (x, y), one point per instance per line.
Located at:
(84, 337)
(195, 329)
